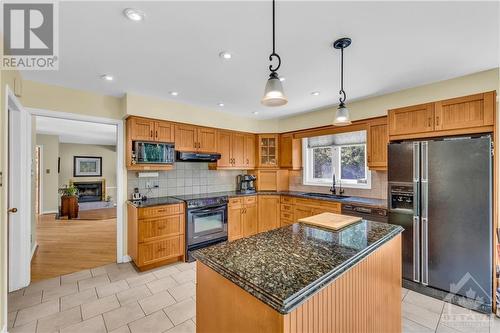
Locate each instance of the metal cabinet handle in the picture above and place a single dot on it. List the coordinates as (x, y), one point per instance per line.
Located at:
(157, 134)
(151, 133)
(12, 210)
(437, 120)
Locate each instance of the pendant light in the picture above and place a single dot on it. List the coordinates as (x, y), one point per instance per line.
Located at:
(342, 117)
(273, 93)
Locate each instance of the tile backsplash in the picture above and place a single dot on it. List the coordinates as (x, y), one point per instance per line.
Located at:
(378, 190)
(185, 178)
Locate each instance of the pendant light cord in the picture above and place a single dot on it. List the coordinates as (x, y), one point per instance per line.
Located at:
(342, 93)
(274, 54)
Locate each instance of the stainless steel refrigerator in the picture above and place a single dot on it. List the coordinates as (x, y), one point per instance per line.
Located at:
(440, 191)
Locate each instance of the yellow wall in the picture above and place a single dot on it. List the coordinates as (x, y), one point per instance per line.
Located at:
(378, 106)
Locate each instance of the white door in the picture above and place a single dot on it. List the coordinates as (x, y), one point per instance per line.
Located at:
(19, 195)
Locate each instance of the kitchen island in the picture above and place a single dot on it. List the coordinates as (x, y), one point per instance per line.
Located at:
(301, 278)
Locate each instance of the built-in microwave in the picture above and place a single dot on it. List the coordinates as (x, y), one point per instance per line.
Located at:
(153, 152)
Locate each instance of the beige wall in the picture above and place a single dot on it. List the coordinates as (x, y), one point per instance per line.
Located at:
(108, 153)
(378, 106)
(170, 110)
(50, 177)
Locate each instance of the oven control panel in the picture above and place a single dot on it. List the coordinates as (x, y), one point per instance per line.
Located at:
(206, 202)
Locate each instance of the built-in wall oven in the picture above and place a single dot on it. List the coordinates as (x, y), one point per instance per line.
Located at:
(206, 221)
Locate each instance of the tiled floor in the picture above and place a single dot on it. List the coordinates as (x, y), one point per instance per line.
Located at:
(116, 298)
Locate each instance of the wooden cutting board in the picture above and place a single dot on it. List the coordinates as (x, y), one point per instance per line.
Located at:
(330, 220)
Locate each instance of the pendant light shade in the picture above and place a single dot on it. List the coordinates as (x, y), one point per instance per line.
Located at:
(273, 93)
(342, 116)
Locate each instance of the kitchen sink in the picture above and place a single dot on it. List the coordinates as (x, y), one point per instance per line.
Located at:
(326, 195)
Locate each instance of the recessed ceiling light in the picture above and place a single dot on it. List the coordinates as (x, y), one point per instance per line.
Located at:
(282, 79)
(225, 55)
(315, 93)
(107, 77)
(134, 14)
(255, 112)
(174, 93)
(220, 104)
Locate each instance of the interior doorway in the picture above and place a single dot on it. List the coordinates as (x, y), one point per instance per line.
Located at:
(38, 180)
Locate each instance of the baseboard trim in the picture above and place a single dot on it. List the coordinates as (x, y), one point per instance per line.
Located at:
(125, 259)
(33, 250)
(49, 212)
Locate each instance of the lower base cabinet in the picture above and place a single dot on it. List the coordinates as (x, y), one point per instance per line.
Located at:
(294, 209)
(242, 217)
(269, 212)
(155, 235)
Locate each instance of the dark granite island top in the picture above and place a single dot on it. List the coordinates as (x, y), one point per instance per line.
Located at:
(285, 266)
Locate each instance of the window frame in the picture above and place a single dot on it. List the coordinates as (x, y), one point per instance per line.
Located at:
(308, 168)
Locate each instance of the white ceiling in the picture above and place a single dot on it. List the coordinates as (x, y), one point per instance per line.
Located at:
(73, 131)
(396, 45)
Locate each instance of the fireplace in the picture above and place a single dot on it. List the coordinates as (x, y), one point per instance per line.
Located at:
(90, 191)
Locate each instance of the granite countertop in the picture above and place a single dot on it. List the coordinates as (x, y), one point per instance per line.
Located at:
(150, 202)
(285, 266)
(377, 203)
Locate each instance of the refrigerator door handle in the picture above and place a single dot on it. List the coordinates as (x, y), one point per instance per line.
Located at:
(424, 210)
(416, 248)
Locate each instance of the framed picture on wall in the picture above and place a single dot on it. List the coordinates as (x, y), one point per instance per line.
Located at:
(87, 166)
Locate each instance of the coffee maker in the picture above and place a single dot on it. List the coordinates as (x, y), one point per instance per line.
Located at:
(246, 183)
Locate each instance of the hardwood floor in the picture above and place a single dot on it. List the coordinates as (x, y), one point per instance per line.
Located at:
(66, 246)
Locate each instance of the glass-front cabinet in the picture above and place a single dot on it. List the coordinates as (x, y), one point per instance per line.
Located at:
(268, 151)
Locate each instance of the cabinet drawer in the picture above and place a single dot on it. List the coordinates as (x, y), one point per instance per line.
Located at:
(250, 200)
(285, 199)
(286, 208)
(331, 205)
(159, 250)
(235, 202)
(305, 202)
(152, 229)
(287, 215)
(157, 211)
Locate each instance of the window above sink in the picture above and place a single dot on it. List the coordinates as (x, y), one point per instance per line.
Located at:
(344, 153)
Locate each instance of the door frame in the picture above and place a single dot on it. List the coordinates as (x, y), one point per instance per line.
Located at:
(121, 184)
(19, 251)
(39, 188)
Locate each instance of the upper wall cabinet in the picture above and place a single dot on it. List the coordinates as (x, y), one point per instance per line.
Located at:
(237, 150)
(377, 141)
(268, 151)
(456, 116)
(290, 152)
(142, 129)
(194, 138)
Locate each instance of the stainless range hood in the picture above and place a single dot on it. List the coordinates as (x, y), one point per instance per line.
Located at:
(197, 157)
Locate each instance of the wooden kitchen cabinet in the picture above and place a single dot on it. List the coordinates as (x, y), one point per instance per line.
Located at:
(242, 217)
(294, 209)
(142, 129)
(164, 131)
(290, 156)
(378, 139)
(269, 212)
(195, 139)
(457, 116)
(155, 235)
(249, 151)
(465, 112)
(268, 150)
(272, 180)
(412, 119)
(233, 149)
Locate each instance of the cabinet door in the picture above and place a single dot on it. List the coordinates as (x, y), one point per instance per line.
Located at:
(224, 149)
(250, 151)
(268, 151)
(207, 140)
(159, 250)
(269, 212)
(465, 112)
(377, 146)
(142, 129)
(234, 222)
(267, 180)
(238, 149)
(286, 150)
(250, 220)
(185, 137)
(152, 229)
(412, 119)
(164, 131)
(300, 212)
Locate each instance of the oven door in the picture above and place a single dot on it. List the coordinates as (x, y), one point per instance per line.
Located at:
(206, 224)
